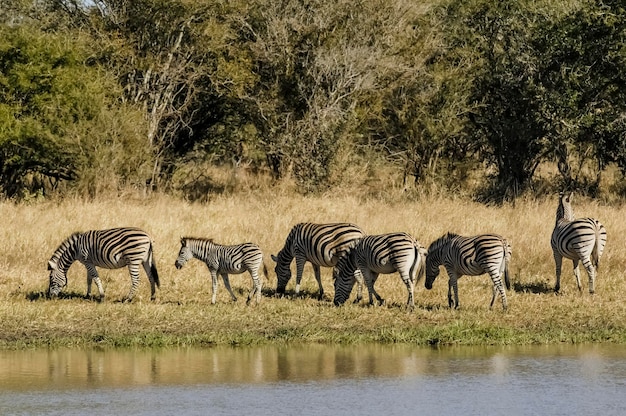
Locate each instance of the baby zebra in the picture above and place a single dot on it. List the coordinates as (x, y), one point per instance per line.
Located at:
(375, 254)
(577, 239)
(110, 249)
(235, 259)
(473, 256)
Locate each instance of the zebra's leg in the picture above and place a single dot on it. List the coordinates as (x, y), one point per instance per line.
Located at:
(370, 279)
(92, 276)
(498, 287)
(318, 277)
(147, 268)
(453, 287)
(256, 287)
(358, 276)
(213, 286)
(299, 270)
(591, 272)
(558, 261)
(380, 300)
(410, 287)
(227, 286)
(577, 275)
(133, 269)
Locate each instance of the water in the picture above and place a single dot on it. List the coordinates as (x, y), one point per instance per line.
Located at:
(316, 380)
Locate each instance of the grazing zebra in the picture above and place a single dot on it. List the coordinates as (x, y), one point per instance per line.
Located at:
(375, 254)
(472, 256)
(235, 259)
(577, 239)
(110, 249)
(320, 244)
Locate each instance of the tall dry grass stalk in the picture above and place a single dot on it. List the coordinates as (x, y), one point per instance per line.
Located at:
(183, 314)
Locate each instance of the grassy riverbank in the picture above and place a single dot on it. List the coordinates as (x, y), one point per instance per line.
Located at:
(183, 315)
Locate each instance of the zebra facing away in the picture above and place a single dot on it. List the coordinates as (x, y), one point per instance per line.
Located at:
(577, 239)
(472, 256)
(222, 260)
(376, 254)
(320, 244)
(109, 249)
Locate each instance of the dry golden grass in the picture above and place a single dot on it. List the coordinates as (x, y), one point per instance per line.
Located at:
(183, 314)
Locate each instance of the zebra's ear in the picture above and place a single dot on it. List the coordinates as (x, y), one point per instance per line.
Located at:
(183, 241)
(274, 258)
(50, 265)
(570, 196)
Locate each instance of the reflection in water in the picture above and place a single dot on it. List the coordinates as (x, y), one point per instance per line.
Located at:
(316, 379)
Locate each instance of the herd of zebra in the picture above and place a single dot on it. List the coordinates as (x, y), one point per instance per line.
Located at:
(356, 257)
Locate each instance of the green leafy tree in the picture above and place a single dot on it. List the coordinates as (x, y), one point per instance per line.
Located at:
(54, 110)
(584, 89)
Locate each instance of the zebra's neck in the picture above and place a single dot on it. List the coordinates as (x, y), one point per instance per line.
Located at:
(434, 252)
(201, 248)
(564, 213)
(286, 253)
(67, 253)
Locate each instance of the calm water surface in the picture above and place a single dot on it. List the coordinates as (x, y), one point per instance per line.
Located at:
(316, 380)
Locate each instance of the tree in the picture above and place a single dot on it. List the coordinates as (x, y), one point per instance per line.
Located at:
(584, 89)
(53, 105)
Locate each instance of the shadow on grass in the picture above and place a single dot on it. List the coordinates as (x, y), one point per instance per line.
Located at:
(532, 287)
(291, 294)
(38, 296)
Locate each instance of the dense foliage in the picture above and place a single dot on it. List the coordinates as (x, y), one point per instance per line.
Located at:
(107, 94)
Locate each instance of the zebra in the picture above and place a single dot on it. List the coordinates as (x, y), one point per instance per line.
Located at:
(320, 244)
(375, 254)
(220, 259)
(473, 256)
(577, 239)
(110, 249)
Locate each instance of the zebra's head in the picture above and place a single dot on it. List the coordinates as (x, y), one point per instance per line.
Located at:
(184, 254)
(344, 278)
(60, 262)
(432, 271)
(58, 279)
(564, 211)
(433, 259)
(283, 271)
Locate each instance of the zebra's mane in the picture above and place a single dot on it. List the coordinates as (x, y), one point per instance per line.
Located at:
(438, 243)
(198, 239)
(68, 244)
(565, 212)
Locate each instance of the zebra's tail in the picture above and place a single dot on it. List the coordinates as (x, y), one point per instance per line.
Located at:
(598, 247)
(265, 273)
(507, 260)
(419, 263)
(153, 269)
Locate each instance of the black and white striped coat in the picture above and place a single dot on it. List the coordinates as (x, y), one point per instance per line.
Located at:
(109, 249)
(320, 244)
(222, 260)
(578, 239)
(376, 254)
(472, 256)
